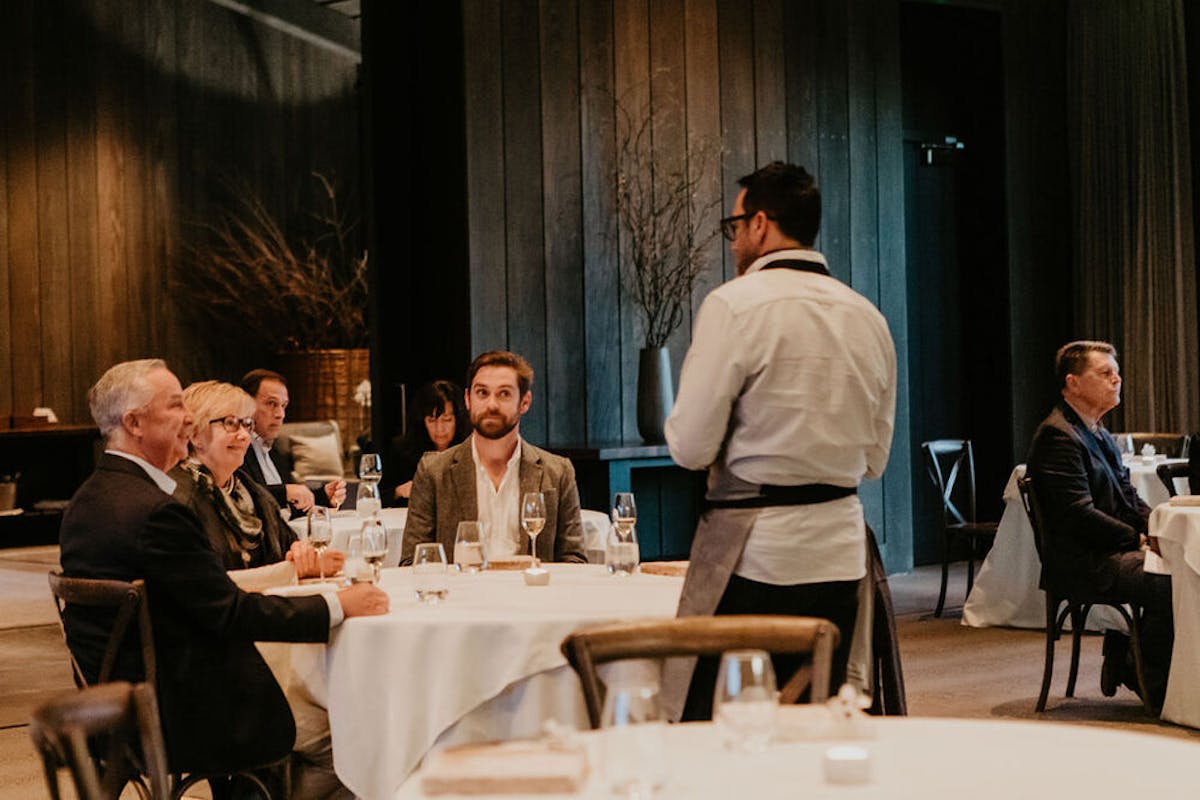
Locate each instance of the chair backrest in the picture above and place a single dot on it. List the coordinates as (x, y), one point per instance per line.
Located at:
(1167, 473)
(1033, 512)
(950, 464)
(126, 717)
(586, 649)
(1171, 445)
(129, 600)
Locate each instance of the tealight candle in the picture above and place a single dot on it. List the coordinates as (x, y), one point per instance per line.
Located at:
(537, 576)
(847, 764)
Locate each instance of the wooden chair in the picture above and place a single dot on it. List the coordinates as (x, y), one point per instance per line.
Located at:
(1167, 473)
(125, 717)
(951, 467)
(587, 649)
(1171, 445)
(129, 600)
(1076, 606)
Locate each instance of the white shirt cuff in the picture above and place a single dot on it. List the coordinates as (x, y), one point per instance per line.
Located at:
(336, 615)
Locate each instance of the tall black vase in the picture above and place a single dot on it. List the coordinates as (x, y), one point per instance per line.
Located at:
(656, 393)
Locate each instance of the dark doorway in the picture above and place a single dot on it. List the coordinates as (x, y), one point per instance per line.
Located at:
(960, 380)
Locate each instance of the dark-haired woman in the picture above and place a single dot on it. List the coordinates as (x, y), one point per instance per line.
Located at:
(437, 419)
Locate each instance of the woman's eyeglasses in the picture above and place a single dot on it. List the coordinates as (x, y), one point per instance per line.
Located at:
(232, 423)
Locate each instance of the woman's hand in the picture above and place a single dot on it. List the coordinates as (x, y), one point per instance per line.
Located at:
(302, 554)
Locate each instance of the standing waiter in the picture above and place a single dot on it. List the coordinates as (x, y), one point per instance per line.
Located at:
(787, 398)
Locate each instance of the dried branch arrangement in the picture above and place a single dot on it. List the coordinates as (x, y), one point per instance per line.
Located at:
(663, 227)
(245, 278)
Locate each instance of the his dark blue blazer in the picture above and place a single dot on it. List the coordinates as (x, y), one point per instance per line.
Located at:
(1092, 511)
(252, 468)
(221, 707)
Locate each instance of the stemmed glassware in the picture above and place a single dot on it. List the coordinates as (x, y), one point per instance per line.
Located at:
(624, 512)
(745, 700)
(370, 471)
(533, 519)
(468, 546)
(633, 746)
(320, 534)
(621, 554)
(374, 545)
(370, 467)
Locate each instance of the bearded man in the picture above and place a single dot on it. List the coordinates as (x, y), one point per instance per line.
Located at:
(485, 477)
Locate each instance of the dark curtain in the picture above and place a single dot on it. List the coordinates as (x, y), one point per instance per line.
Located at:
(1135, 273)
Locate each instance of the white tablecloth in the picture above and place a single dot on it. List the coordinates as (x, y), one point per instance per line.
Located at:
(348, 522)
(461, 670)
(1006, 589)
(925, 759)
(1178, 532)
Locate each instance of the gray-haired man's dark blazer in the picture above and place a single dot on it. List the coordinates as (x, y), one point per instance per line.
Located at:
(443, 494)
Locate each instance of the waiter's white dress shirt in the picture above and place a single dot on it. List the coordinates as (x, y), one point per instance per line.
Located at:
(791, 378)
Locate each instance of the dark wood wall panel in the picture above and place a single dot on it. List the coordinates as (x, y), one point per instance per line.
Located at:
(814, 81)
(121, 123)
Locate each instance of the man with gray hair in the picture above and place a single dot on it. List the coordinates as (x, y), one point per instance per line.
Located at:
(222, 710)
(1095, 521)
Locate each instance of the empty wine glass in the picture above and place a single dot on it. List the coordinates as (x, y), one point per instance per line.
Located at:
(621, 554)
(429, 572)
(374, 545)
(468, 546)
(370, 467)
(634, 755)
(745, 700)
(624, 512)
(533, 519)
(320, 534)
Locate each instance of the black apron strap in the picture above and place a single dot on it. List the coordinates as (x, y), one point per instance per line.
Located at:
(805, 495)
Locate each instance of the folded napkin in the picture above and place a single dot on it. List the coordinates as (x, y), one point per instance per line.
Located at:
(1186, 500)
(538, 767)
(671, 569)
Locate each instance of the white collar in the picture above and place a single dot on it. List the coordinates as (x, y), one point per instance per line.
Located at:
(164, 481)
(813, 256)
(513, 459)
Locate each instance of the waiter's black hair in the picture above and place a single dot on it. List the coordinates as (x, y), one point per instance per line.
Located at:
(789, 196)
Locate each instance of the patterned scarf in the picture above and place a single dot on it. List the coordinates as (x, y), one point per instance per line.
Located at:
(243, 528)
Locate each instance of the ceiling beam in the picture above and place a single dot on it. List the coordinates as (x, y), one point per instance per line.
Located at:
(305, 20)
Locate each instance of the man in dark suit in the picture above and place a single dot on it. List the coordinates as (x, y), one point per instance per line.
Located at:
(485, 477)
(1095, 521)
(263, 463)
(221, 708)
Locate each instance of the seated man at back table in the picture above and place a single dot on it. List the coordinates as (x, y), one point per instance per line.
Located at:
(1095, 521)
(265, 465)
(485, 477)
(221, 708)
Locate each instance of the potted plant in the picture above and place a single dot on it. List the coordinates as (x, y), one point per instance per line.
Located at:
(304, 299)
(663, 234)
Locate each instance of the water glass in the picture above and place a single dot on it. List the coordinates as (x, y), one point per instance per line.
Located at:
(368, 503)
(468, 546)
(429, 573)
(374, 546)
(370, 467)
(633, 749)
(745, 700)
(621, 553)
(320, 534)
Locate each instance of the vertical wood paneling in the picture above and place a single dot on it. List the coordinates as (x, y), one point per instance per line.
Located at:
(565, 376)
(486, 217)
(600, 259)
(735, 38)
(631, 37)
(8, 61)
(24, 276)
(523, 201)
(54, 281)
(832, 121)
(129, 26)
(704, 134)
(801, 70)
(770, 88)
(864, 180)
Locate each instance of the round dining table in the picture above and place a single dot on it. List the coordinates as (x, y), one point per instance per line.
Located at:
(1176, 525)
(910, 757)
(482, 664)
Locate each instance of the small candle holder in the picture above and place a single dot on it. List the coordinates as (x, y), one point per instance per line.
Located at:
(536, 576)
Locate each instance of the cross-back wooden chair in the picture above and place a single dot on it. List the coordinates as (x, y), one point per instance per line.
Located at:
(587, 649)
(1167, 473)
(951, 467)
(1075, 605)
(123, 719)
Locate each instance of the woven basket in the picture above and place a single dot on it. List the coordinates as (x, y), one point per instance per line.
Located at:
(321, 385)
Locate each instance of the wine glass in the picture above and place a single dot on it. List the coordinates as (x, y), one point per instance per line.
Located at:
(370, 467)
(745, 700)
(533, 519)
(320, 534)
(374, 545)
(634, 754)
(621, 554)
(624, 512)
(367, 501)
(429, 572)
(468, 546)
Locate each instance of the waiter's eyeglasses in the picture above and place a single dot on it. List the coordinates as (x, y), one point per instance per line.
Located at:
(729, 224)
(232, 423)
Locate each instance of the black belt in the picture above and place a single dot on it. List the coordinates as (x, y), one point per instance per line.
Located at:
(805, 495)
